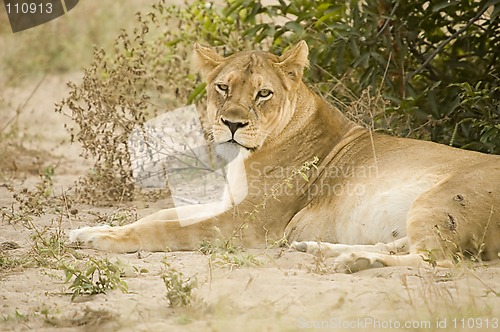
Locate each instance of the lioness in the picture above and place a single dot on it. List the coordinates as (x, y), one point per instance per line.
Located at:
(370, 199)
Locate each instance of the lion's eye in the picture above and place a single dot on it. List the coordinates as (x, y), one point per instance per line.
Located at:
(264, 94)
(221, 88)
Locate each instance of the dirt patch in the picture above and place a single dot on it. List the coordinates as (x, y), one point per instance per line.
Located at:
(16, 159)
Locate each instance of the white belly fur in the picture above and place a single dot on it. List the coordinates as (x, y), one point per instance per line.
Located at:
(378, 212)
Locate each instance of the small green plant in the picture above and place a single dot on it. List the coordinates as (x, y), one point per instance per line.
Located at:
(17, 316)
(218, 245)
(224, 253)
(279, 243)
(48, 246)
(179, 288)
(234, 261)
(430, 258)
(97, 276)
(282, 244)
(8, 262)
(47, 243)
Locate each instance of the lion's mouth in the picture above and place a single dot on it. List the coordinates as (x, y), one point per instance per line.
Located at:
(235, 143)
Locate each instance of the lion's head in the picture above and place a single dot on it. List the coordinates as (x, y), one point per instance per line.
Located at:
(251, 95)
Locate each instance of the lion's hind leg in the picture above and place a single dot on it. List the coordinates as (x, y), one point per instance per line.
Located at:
(354, 258)
(358, 261)
(336, 249)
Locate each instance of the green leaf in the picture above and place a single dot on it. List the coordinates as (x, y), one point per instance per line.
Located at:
(91, 270)
(295, 27)
(69, 275)
(235, 5)
(197, 93)
(443, 4)
(323, 6)
(495, 13)
(362, 61)
(353, 45)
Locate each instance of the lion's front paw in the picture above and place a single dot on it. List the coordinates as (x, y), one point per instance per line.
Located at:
(97, 237)
(85, 235)
(114, 239)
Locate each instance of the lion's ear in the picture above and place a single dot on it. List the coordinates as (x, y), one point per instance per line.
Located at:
(295, 60)
(205, 59)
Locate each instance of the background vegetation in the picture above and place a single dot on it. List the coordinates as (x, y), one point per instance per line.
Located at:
(435, 61)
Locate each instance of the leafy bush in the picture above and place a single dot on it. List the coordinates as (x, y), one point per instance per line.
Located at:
(418, 54)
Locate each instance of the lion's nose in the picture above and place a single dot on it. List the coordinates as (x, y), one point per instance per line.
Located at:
(233, 126)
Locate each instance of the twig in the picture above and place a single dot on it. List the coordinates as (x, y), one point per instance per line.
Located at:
(446, 42)
(388, 20)
(20, 108)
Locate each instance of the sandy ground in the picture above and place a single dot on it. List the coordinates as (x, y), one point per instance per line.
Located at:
(287, 291)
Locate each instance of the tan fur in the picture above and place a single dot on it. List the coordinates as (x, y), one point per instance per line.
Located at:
(367, 190)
